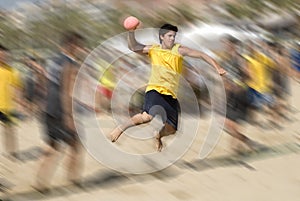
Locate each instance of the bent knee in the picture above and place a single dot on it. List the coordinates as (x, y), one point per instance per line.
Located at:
(146, 117)
(168, 130)
(171, 131)
(142, 118)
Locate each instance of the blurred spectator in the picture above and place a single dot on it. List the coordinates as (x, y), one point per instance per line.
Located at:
(10, 86)
(60, 125)
(260, 84)
(236, 92)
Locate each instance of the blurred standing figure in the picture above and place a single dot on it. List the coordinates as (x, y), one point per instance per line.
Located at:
(60, 127)
(260, 66)
(236, 93)
(9, 91)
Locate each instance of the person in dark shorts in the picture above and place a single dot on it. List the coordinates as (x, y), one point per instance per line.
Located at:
(59, 122)
(35, 89)
(237, 103)
(170, 105)
(161, 91)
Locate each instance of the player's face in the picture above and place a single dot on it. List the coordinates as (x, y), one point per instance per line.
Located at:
(168, 39)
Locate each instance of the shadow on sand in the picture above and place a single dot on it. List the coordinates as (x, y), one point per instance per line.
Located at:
(109, 179)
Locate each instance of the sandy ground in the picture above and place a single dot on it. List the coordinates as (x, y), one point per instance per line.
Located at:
(272, 174)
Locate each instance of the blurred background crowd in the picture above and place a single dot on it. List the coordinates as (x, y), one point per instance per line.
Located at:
(31, 30)
(256, 41)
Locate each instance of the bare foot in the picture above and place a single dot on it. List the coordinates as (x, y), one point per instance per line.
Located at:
(115, 134)
(159, 144)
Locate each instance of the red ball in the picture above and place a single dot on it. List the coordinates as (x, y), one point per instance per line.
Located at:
(130, 23)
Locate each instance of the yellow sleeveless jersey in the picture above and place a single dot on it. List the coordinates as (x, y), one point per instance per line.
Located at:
(166, 70)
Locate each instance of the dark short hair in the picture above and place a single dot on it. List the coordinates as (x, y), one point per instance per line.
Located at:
(71, 37)
(165, 29)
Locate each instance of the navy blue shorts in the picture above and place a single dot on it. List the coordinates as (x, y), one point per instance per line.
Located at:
(164, 105)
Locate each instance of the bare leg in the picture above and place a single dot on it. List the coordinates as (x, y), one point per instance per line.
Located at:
(47, 168)
(159, 144)
(135, 120)
(233, 128)
(11, 144)
(165, 131)
(75, 164)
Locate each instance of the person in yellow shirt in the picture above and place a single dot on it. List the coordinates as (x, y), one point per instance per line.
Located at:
(166, 59)
(260, 80)
(237, 103)
(9, 84)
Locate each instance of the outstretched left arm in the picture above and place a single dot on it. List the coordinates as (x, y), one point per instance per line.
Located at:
(185, 51)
